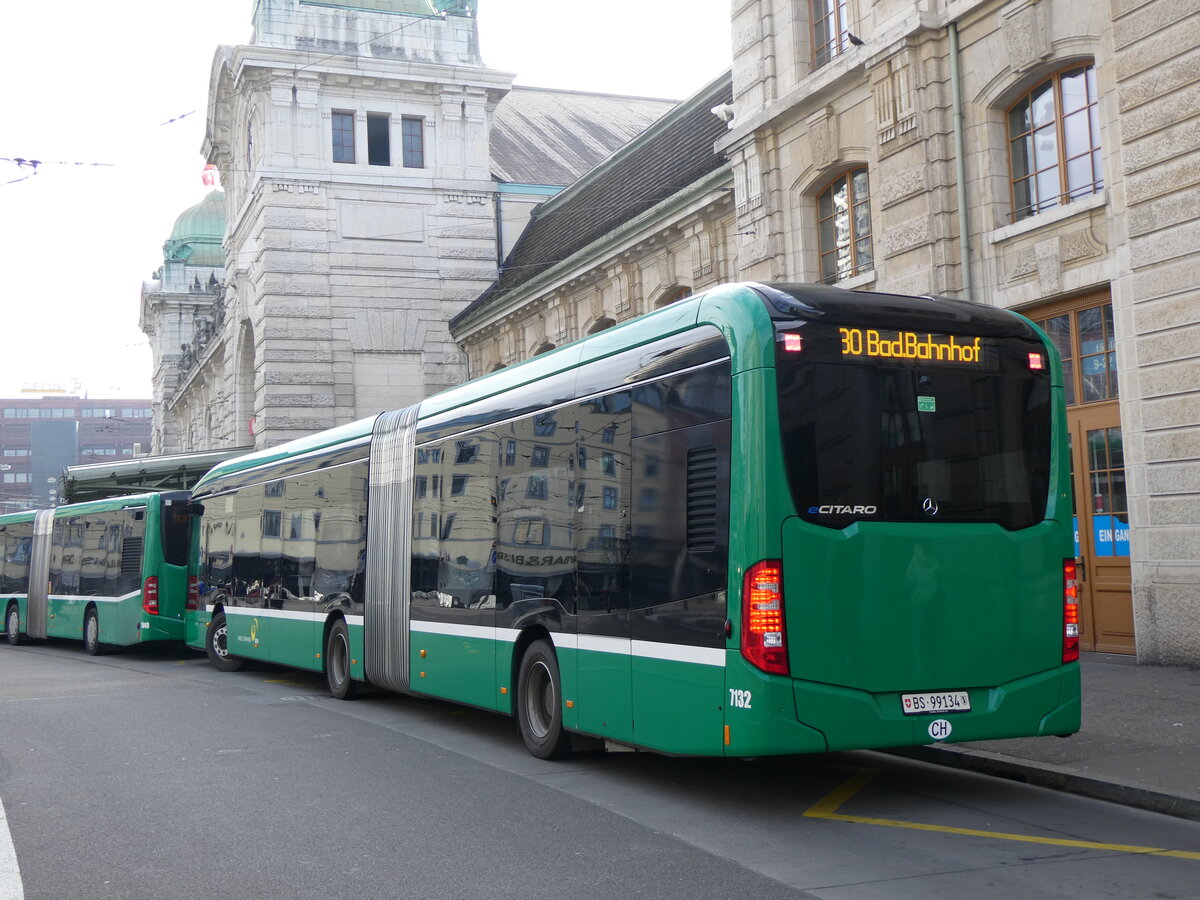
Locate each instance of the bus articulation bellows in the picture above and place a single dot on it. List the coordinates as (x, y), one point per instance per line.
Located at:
(108, 572)
(763, 520)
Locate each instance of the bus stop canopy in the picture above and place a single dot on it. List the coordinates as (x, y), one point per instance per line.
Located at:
(177, 472)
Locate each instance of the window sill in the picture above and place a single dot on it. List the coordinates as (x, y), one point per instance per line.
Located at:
(855, 282)
(1051, 217)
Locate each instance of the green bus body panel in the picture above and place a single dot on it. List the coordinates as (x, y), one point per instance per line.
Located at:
(768, 724)
(746, 324)
(289, 641)
(454, 667)
(678, 707)
(604, 693)
(1041, 704)
(295, 642)
(249, 634)
(881, 606)
(195, 630)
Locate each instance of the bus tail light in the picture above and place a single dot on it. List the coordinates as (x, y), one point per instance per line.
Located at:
(193, 594)
(150, 595)
(1070, 651)
(764, 638)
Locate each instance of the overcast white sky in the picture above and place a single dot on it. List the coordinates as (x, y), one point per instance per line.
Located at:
(85, 83)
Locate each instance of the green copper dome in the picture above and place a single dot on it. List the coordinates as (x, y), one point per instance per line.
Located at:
(198, 233)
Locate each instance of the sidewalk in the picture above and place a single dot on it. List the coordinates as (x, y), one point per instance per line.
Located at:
(1139, 744)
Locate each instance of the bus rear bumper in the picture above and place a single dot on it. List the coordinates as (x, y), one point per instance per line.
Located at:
(1046, 703)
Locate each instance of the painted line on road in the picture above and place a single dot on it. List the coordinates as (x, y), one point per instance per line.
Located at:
(827, 806)
(11, 887)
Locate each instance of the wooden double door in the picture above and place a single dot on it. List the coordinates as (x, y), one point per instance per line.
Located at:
(1082, 329)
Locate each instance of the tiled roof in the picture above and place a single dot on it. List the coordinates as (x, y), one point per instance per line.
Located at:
(542, 136)
(670, 155)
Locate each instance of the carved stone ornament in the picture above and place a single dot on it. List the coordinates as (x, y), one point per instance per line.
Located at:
(823, 139)
(1026, 34)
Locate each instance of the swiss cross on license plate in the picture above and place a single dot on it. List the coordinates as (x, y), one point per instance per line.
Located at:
(939, 702)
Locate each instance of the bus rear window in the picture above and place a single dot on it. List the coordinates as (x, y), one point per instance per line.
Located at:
(176, 532)
(926, 428)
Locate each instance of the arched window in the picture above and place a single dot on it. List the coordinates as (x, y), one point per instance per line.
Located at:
(600, 324)
(844, 227)
(544, 347)
(673, 295)
(1054, 142)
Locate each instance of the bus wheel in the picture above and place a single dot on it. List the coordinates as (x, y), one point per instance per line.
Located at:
(91, 632)
(12, 624)
(216, 646)
(337, 662)
(539, 703)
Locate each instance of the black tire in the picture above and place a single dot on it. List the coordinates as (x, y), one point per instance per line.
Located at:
(337, 662)
(91, 632)
(216, 646)
(12, 624)
(540, 704)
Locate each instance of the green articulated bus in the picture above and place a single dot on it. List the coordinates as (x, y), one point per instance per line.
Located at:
(109, 572)
(762, 520)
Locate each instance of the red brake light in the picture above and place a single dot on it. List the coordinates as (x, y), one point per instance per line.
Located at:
(193, 594)
(1070, 651)
(150, 595)
(764, 638)
(792, 342)
(1037, 361)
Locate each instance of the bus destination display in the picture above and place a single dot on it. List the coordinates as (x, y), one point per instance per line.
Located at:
(910, 345)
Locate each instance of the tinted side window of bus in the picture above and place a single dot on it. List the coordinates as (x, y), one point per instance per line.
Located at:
(16, 546)
(454, 523)
(535, 555)
(98, 554)
(680, 505)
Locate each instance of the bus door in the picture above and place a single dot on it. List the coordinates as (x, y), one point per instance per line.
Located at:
(36, 609)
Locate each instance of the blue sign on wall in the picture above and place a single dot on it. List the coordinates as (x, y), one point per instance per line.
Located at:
(1110, 535)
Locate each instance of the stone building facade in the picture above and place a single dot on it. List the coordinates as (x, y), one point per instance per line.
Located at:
(1037, 155)
(182, 312)
(374, 171)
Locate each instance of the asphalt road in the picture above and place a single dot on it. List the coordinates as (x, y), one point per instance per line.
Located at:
(150, 775)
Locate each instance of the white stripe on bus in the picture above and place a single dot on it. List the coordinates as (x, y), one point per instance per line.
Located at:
(260, 613)
(294, 615)
(704, 656)
(687, 653)
(81, 598)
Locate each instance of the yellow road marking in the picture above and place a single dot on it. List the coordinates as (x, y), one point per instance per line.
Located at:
(827, 806)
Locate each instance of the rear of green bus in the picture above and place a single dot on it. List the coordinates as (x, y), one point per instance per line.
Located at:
(905, 546)
(167, 587)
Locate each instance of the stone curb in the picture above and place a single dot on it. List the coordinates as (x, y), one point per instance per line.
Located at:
(1056, 778)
